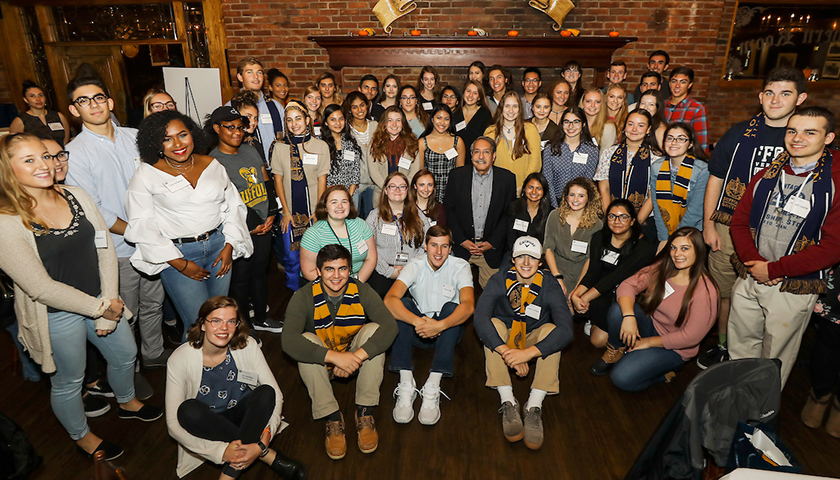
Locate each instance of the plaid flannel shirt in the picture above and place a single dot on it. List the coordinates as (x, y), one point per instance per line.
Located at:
(693, 113)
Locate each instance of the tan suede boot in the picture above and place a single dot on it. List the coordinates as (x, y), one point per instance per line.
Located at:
(605, 363)
(813, 413)
(832, 426)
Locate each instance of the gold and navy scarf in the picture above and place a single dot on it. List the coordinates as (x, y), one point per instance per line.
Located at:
(520, 297)
(338, 334)
(632, 184)
(300, 206)
(671, 197)
(740, 171)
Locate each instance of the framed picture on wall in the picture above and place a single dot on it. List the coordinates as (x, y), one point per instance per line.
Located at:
(834, 49)
(786, 60)
(831, 69)
(160, 55)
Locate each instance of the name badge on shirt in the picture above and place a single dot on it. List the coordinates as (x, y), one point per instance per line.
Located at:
(580, 158)
(610, 257)
(389, 229)
(310, 159)
(176, 184)
(348, 155)
(265, 118)
(317, 130)
(428, 106)
(432, 223)
(533, 311)
(248, 378)
(448, 290)
(405, 163)
(520, 225)
(460, 125)
(451, 153)
(798, 206)
(579, 247)
(668, 290)
(543, 144)
(362, 247)
(402, 258)
(99, 239)
(55, 126)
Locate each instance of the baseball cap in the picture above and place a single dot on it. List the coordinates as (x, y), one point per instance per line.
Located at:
(526, 245)
(226, 114)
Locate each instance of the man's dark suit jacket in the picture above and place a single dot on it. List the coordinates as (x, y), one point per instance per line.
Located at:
(459, 214)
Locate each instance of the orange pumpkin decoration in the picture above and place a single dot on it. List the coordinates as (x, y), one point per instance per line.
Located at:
(513, 33)
(472, 33)
(415, 33)
(363, 33)
(613, 33)
(565, 33)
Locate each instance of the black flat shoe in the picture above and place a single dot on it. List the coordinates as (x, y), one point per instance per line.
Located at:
(112, 450)
(600, 368)
(287, 468)
(148, 413)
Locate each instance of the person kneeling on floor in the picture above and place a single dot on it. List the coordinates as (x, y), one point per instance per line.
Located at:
(520, 317)
(336, 327)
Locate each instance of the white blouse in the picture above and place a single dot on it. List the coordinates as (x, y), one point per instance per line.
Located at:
(162, 207)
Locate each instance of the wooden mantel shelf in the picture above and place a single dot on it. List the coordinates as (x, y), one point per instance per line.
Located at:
(357, 51)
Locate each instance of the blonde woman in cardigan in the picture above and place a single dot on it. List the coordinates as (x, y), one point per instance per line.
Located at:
(68, 293)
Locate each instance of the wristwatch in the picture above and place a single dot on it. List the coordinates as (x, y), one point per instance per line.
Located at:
(263, 447)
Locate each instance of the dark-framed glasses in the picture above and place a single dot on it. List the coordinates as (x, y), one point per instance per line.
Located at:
(62, 156)
(99, 99)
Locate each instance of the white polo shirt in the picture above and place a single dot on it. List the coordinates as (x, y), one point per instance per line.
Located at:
(432, 289)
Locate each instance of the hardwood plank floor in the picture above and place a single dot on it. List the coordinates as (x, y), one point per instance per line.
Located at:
(592, 431)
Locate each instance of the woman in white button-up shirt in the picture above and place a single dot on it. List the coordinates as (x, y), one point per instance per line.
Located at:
(184, 213)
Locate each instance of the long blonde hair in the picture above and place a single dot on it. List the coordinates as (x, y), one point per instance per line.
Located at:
(520, 146)
(621, 116)
(14, 199)
(596, 126)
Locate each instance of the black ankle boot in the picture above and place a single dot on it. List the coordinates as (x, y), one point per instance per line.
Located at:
(287, 468)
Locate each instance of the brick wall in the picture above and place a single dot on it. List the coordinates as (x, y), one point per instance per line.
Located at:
(694, 33)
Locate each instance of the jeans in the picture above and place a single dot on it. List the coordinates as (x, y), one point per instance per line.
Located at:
(244, 422)
(640, 369)
(249, 278)
(31, 370)
(187, 294)
(363, 199)
(444, 345)
(292, 261)
(68, 334)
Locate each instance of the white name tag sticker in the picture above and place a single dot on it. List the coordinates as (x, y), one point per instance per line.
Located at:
(389, 229)
(543, 144)
(533, 311)
(460, 125)
(610, 257)
(348, 155)
(668, 290)
(451, 153)
(580, 158)
(448, 290)
(176, 184)
(55, 126)
(310, 159)
(248, 378)
(405, 163)
(362, 247)
(402, 258)
(428, 106)
(579, 247)
(317, 130)
(265, 118)
(99, 239)
(798, 206)
(432, 223)
(520, 225)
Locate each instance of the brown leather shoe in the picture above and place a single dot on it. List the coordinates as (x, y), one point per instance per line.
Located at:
(603, 365)
(813, 413)
(336, 443)
(832, 426)
(368, 438)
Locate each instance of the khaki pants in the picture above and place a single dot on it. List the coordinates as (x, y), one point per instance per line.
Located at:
(316, 377)
(547, 372)
(767, 323)
(720, 267)
(484, 270)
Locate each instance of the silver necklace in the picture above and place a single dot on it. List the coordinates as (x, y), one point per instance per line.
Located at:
(177, 165)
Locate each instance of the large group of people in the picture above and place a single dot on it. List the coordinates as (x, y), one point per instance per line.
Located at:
(576, 203)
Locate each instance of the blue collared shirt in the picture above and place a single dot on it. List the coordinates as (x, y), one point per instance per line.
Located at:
(103, 168)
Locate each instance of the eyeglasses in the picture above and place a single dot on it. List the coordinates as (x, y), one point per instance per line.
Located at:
(620, 218)
(401, 188)
(62, 156)
(572, 71)
(575, 122)
(99, 99)
(408, 98)
(678, 140)
(217, 322)
(531, 80)
(233, 128)
(161, 106)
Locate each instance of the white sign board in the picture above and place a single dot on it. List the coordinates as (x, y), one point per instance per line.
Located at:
(197, 91)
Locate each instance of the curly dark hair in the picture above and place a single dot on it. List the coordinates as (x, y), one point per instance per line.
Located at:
(152, 131)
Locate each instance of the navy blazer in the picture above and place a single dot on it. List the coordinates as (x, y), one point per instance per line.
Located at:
(459, 214)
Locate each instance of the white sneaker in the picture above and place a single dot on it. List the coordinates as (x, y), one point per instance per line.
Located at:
(587, 328)
(405, 394)
(430, 408)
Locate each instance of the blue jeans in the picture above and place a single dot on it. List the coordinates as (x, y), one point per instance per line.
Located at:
(363, 199)
(68, 334)
(187, 294)
(639, 370)
(444, 345)
(31, 370)
(292, 262)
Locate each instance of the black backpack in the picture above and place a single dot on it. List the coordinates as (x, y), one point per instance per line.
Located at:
(17, 457)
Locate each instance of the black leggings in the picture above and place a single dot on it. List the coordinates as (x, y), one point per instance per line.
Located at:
(825, 359)
(249, 278)
(244, 422)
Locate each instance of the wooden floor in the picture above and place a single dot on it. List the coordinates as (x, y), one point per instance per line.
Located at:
(592, 431)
